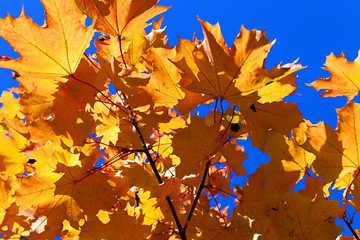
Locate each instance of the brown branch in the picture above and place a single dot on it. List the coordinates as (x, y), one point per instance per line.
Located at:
(217, 204)
(177, 221)
(350, 227)
(148, 155)
(156, 172)
(216, 102)
(201, 187)
(146, 150)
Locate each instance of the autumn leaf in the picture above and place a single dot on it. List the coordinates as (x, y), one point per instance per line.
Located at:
(289, 162)
(255, 202)
(76, 182)
(6, 198)
(344, 80)
(210, 227)
(164, 81)
(12, 161)
(121, 226)
(195, 145)
(336, 151)
(237, 74)
(305, 218)
(278, 116)
(120, 17)
(50, 52)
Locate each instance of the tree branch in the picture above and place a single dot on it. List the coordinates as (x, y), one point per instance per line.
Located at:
(146, 150)
(177, 221)
(350, 227)
(201, 187)
(148, 155)
(156, 172)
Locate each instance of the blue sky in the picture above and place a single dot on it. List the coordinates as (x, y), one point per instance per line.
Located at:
(308, 29)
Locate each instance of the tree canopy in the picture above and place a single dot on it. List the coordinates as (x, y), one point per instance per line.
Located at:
(109, 146)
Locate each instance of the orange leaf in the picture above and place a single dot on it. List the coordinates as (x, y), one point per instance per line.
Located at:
(278, 116)
(237, 74)
(301, 217)
(337, 151)
(53, 51)
(120, 17)
(344, 80)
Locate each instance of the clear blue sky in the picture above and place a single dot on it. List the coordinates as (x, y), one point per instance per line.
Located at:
(307, 29)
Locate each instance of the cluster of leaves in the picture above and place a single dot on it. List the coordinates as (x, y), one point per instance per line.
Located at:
(81, 161)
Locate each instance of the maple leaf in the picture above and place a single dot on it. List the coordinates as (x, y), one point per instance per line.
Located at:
(234, 155)
(6, 198)
(209, 227)
(336, 151)
(50, 216)
(255, 202)
(289, 162)
(194, 147)
(82, 160)
(121, 226)
(164, 78)
(278, 116)
(305, 218)
(52, 51)
(76, 181)
(344, 80)
(146, 181)
(12, 161)
(237, 74)
(120, 17)
(39, 186)
(10, 106)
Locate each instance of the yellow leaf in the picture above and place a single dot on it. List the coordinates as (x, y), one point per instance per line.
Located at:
(120, 17)
(53, 51)
(344, 80)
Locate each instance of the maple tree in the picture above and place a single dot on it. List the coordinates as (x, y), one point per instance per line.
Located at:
(80, 161)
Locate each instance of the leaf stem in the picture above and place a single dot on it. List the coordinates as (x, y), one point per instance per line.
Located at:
(227, 128)
(93, 87)
(346, 198)
(121, 52)
(201, 187)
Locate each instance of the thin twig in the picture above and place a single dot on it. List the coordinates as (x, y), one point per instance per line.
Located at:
(88, 84)
(156, 172)
(201, 187)
(148, 155)
(177, 221)
(350, 227)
